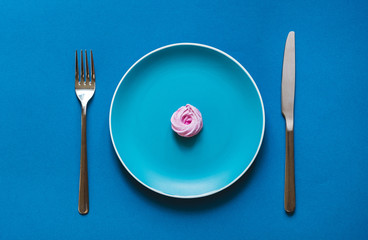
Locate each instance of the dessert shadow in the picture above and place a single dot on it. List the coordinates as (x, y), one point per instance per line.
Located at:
(186, 142)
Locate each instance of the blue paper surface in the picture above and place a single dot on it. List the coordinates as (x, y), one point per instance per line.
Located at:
(40, 119)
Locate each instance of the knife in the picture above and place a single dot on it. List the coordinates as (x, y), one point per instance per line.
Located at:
(287, 107)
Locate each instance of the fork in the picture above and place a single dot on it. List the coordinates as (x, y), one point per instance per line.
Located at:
(84, 89)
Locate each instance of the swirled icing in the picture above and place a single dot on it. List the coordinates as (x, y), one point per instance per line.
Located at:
(187, 121)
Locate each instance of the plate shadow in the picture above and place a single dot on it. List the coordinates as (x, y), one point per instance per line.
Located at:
(196, 204)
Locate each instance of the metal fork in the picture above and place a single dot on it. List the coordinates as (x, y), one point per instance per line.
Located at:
(84, 88)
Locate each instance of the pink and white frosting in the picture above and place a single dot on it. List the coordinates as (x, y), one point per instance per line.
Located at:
(187, 121)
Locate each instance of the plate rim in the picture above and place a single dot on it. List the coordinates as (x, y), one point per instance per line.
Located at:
(259, 144)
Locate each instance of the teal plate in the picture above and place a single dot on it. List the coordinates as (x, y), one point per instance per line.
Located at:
(154, 88)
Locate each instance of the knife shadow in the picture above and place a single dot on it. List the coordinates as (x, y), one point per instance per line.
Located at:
(196, 204)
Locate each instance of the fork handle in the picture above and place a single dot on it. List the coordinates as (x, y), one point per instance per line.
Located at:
(83, 203)
(289, 195)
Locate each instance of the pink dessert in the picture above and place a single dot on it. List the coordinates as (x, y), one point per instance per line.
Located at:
(187, 121)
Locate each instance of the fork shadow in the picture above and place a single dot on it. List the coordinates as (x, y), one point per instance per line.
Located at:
(196, 204)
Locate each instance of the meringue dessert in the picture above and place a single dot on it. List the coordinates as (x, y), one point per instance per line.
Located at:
(187, 121)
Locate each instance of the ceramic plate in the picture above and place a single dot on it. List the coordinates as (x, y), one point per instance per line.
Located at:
(154, 88)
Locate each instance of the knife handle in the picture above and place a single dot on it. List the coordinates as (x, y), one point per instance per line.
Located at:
(289, 197)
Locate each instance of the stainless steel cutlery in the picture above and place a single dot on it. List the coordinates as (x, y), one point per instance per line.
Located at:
(84, 88)
(287, 106)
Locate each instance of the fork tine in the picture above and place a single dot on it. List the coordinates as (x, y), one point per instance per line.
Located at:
(82, 68)
(93, 70)
(87, 69)
(76, 68)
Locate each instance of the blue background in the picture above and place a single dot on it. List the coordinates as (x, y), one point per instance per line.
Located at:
(40, 119)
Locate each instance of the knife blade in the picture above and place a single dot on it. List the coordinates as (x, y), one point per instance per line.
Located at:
(287, 108)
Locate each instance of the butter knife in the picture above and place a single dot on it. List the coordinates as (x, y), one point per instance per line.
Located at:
(287, 107)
